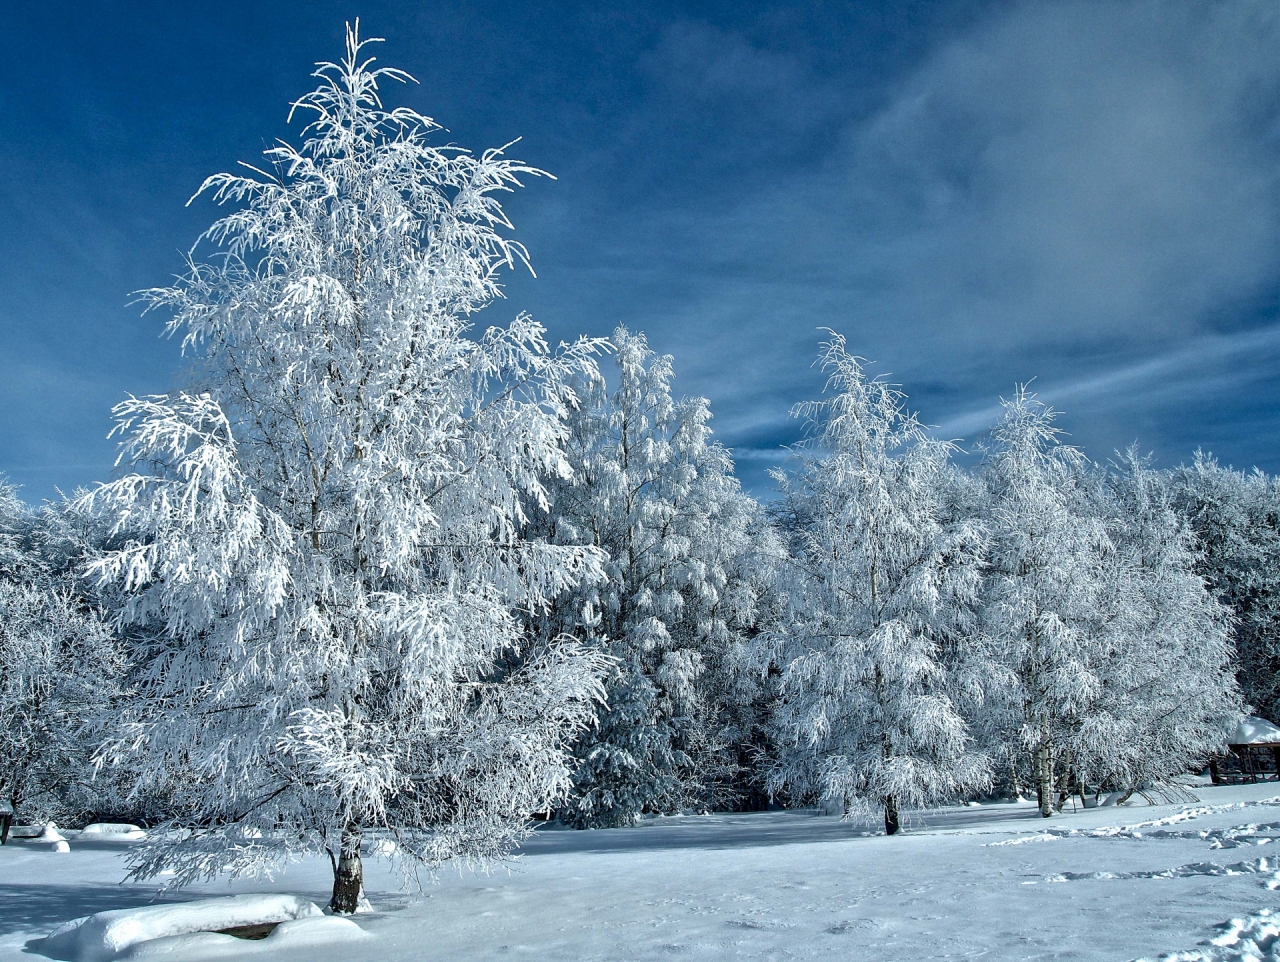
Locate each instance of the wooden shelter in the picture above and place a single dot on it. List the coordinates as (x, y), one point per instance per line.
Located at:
(1254, 754)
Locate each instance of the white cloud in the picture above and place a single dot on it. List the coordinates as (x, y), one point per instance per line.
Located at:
(1078, 171)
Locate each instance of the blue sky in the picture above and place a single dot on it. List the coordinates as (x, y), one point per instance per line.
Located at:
(974, 193)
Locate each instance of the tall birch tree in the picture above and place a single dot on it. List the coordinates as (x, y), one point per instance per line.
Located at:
(1043, 607)
(327, 556)
(882, 582)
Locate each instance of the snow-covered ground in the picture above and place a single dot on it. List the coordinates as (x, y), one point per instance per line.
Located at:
(993, 882)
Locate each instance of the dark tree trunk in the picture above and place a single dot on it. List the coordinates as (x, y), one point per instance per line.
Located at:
(1044, 779)
(348, 874)
(890, 815)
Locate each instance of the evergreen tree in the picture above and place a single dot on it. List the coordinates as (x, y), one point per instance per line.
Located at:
(651, 490)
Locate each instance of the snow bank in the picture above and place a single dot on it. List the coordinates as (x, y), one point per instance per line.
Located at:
(98, 938)
(322, 930)
(114, 831)
(1255, 938)
(1253, 730)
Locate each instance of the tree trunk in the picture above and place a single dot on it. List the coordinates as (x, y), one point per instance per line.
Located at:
(890, 815)
(8, 806)
(348, 874)
(1044, 779)
(1063, 790)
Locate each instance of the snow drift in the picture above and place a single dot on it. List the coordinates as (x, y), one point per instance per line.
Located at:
(300, 933)
(107, 935)
(1255, 938)
(114, 831)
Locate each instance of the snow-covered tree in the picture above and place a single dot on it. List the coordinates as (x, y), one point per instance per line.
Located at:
(1236, 518)
(882, 583)
(61, 669)
(14, 518)
(60, 665)
(327, 561)
(1167, 695)
(1042, 607)
(686, 552)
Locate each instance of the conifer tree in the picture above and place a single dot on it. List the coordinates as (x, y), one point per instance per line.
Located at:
(653, 491)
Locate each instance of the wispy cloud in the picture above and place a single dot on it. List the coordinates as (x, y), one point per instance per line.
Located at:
(1203, 365)
(1081, 192)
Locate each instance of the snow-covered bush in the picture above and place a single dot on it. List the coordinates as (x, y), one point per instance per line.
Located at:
(881, 582)
(327, 561)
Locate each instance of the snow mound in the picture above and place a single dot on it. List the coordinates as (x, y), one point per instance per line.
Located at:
(101, 937)
(1255, 938)
(1258, 866)
(1253, 730)
(300, 933)
(114, 831)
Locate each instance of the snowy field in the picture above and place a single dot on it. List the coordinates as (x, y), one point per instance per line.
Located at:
(993, 882)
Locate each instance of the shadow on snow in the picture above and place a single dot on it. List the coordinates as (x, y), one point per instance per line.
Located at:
(761, 829)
